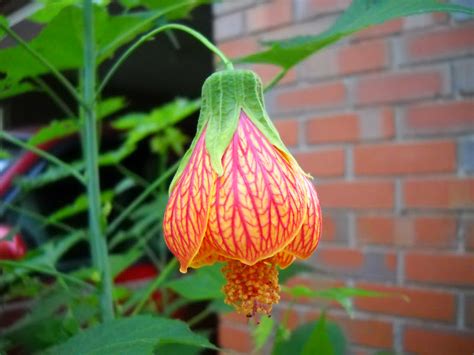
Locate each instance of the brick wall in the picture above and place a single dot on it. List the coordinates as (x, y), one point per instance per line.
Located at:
(385, 123)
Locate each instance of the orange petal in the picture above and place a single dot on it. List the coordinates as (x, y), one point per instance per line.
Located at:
(307, 240)
(259, 202)
(284, 259)
(187, 211)
(206, 255)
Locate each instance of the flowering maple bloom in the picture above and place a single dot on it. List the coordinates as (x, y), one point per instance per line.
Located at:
(240, 197)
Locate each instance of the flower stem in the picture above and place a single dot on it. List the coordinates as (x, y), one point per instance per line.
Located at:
(228, 64)
(97, 240)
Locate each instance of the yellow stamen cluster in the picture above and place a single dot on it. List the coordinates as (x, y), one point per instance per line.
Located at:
(251, 289)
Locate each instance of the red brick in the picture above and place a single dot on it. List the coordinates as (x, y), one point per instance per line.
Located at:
(435, 231)
(447, 269)
(440, 118)
(267, 72)
(322, 95)
(431, 232)
(234, 338)
(435, 44)
(391, 261)
(440, 193)
(335, 128)
(340, 258)
(329, 229)
(335, 227)
(288, 129)
(323, 163)
(424, 341)
(396, 87)
(362, 57)
(239, 47)
(422, 303)
(351, 127)
(233, 318)
(387, 28)
(367, 332)
(272, 14)
(360, 194)
(405, 158)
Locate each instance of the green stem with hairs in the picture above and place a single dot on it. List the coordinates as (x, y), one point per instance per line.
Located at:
(97, 240)
(228, 64)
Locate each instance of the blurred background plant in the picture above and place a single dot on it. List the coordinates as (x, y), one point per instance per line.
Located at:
(87, 268)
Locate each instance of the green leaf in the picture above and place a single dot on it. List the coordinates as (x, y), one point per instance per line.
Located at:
(141, 125)
(79, 205)
(320, 337)
(137, 335)
(9, 88)
(360, 14)
(50, 8)
(62, 48)
(160, 117)
(62, 128)
(203, 284)
(170, 139)
(123, 28)
(51, 174)
(262, 332)
(129, 3)
(318, 341)
(342, 295)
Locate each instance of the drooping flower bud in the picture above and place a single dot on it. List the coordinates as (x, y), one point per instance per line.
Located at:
(240, 197)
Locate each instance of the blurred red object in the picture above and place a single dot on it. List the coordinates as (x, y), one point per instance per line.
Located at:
(12, 249)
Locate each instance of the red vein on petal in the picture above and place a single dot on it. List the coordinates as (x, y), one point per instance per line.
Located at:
(187, 211)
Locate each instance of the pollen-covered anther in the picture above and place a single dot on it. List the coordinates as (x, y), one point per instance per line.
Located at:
(252, 289)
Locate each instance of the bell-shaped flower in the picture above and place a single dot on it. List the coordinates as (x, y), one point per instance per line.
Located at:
(239, 196)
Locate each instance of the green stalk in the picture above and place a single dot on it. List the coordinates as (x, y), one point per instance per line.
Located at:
(97, 240)
(208, 44)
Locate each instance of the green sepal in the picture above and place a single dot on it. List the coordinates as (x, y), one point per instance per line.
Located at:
(228, 93)
(224, 95)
